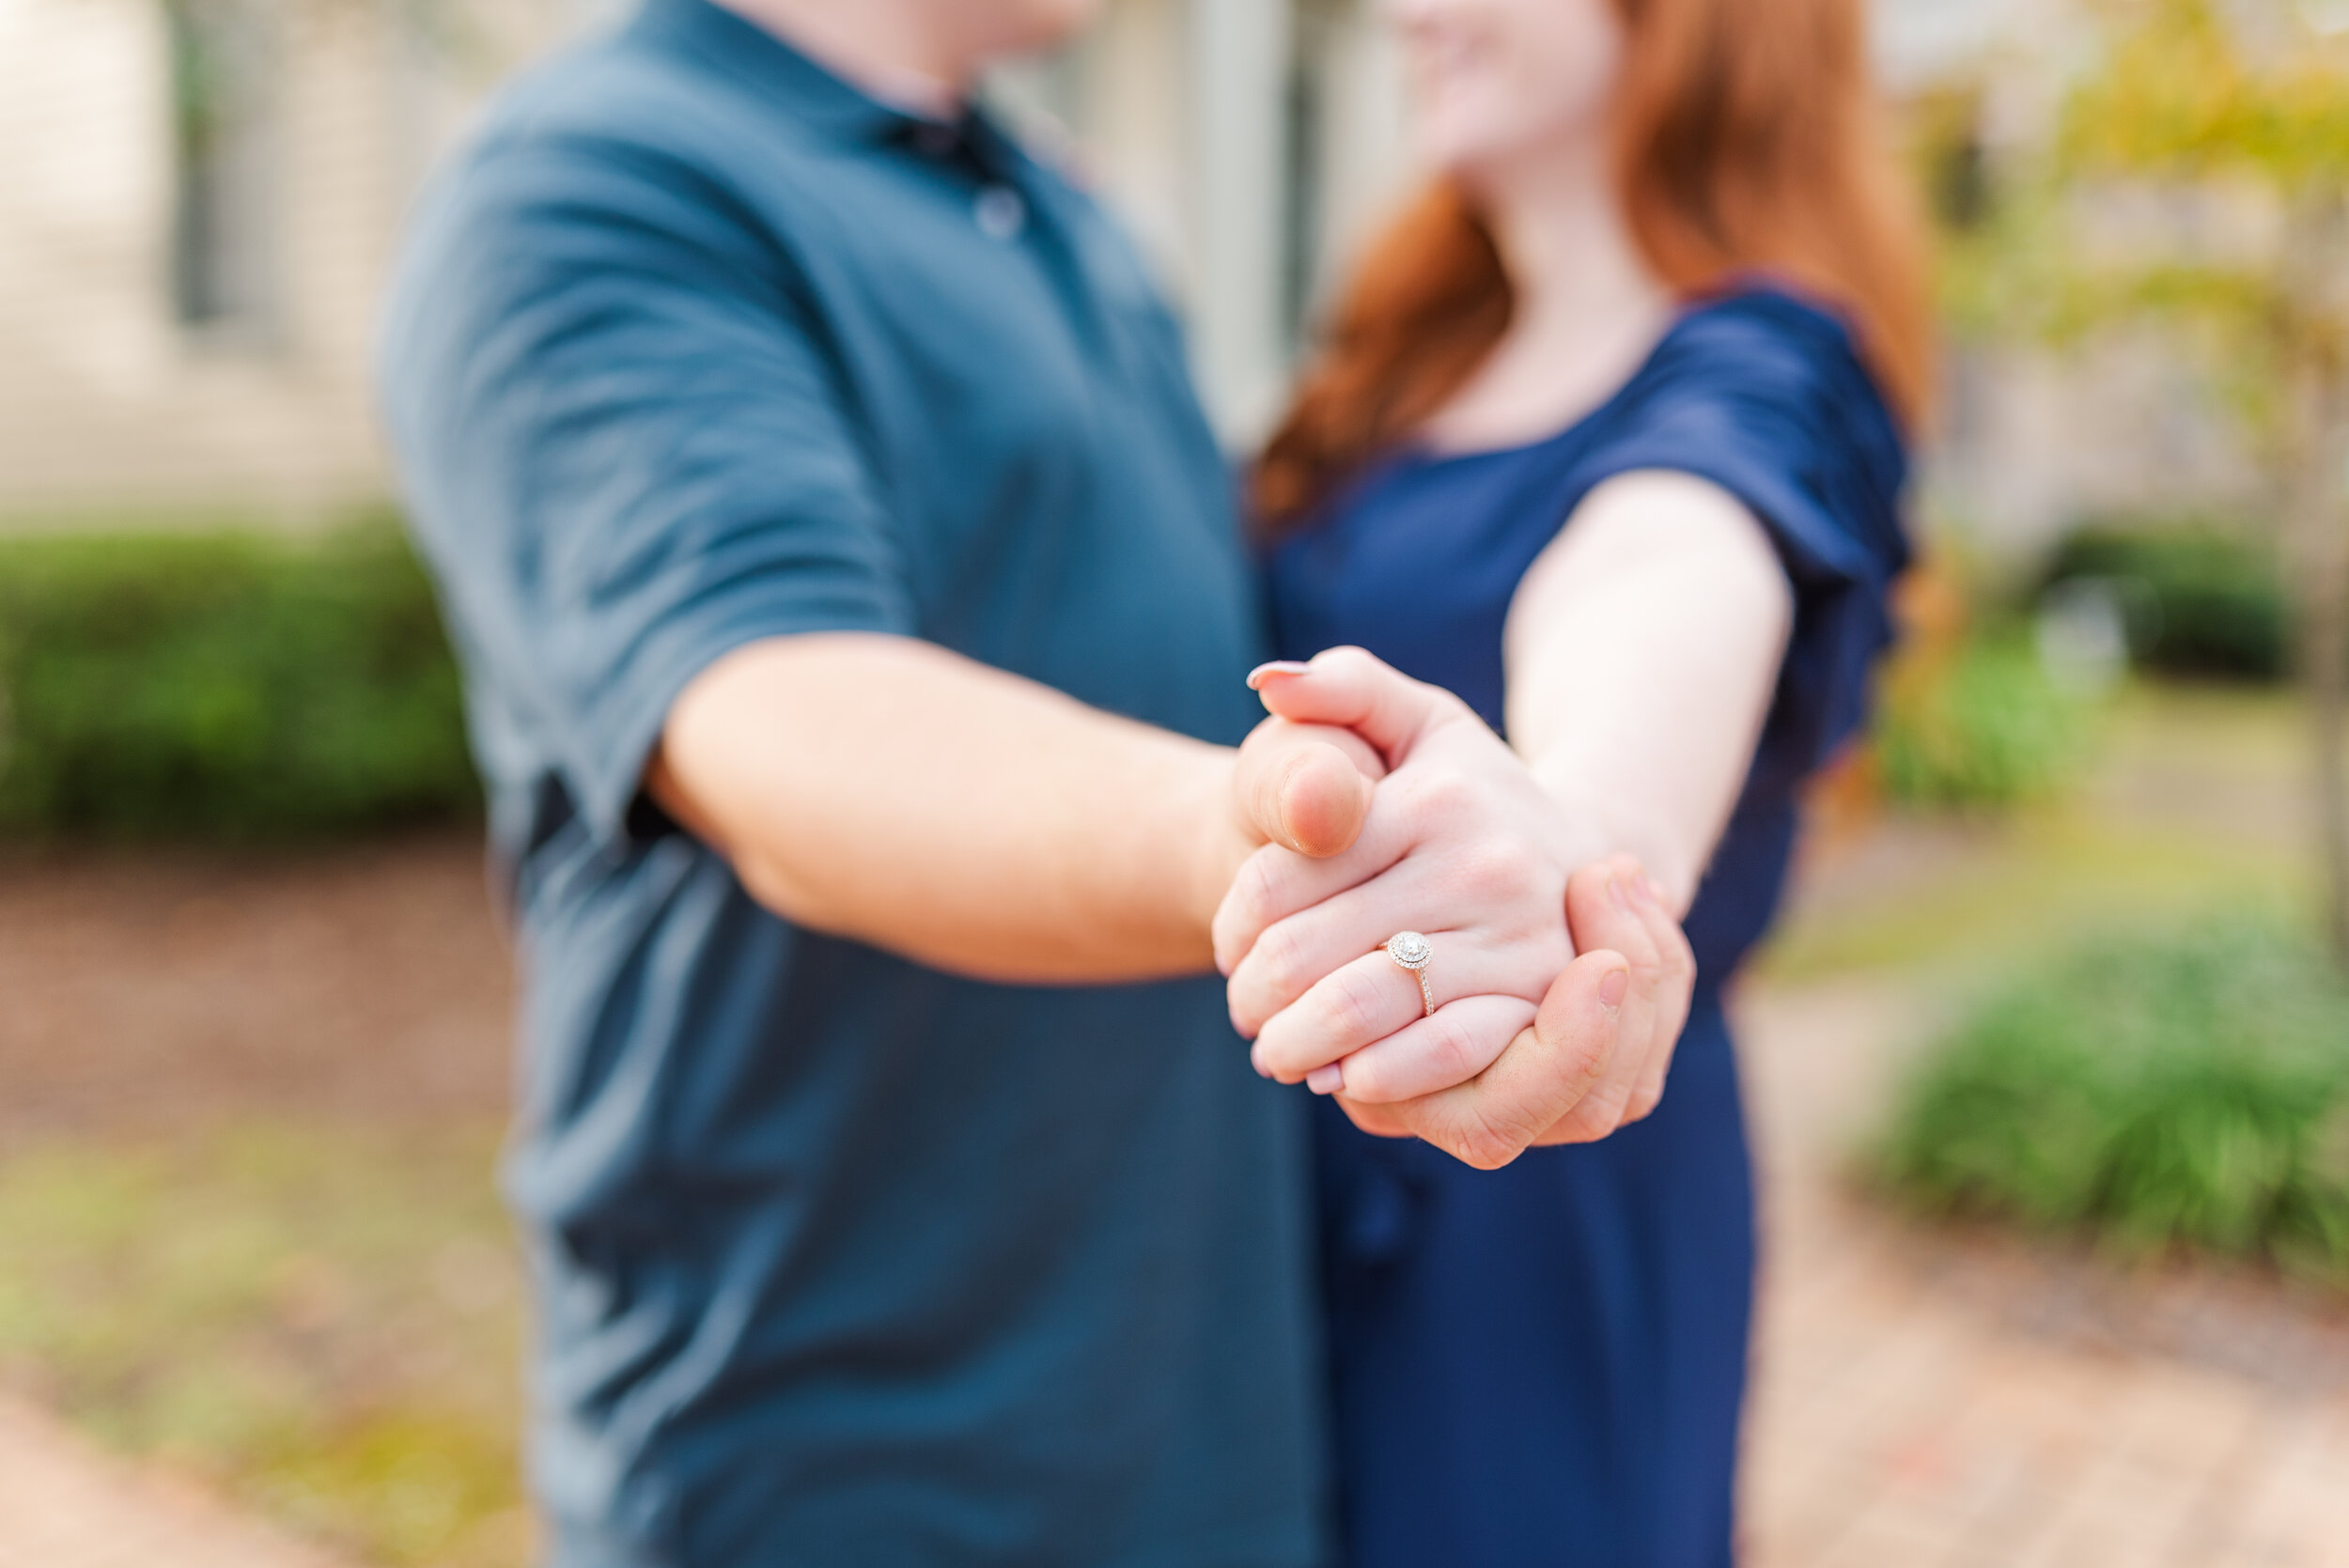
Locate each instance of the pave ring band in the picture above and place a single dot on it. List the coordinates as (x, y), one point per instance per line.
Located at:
(1411, 950)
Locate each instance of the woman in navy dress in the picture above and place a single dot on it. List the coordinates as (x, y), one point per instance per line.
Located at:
(1608, 441)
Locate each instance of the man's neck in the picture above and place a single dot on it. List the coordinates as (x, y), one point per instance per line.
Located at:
(900, 52)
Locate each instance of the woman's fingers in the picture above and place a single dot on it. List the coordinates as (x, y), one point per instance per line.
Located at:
(1364, 1002)
(1421, 892)
(1534, 1085)
(1276, 883)
(1356, 691)
(1441, 1052)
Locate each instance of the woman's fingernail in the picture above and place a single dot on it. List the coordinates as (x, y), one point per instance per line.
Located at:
(1654, 890)
(1262, 673)
(1616, 896)
(1255, 1060)
(1326, 1081)
(1612, 990)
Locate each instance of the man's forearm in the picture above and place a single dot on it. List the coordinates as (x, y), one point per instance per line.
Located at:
(885, 790)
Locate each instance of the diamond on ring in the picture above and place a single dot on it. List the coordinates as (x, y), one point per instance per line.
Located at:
(1414, 953)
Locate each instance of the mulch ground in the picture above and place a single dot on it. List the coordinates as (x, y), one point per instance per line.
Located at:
(147, 989)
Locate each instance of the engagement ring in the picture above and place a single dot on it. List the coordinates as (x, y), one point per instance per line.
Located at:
(1412, 952)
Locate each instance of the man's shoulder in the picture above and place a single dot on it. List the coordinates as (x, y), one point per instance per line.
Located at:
(622, 98)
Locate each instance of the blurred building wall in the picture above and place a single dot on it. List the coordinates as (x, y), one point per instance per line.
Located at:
(189, 273)
(117, 389)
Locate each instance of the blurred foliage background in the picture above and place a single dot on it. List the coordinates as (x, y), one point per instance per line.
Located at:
(2079, 756)
(233, 685)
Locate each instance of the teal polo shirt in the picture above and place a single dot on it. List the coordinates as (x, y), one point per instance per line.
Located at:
(840, 1260)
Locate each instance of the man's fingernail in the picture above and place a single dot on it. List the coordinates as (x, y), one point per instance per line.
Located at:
(1326, 1081)
(1262, 673)
(1612, 990)
(1616, 896)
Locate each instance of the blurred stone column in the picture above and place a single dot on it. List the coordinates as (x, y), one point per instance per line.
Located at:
(1239, 66)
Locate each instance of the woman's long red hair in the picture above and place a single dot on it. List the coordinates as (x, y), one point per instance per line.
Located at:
(1747, 139)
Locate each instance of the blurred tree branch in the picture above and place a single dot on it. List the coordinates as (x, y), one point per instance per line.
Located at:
(2189, 103)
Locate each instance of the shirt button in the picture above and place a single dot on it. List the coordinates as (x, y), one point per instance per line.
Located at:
(1001, 213)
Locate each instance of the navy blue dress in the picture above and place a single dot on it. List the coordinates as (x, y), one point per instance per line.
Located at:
(1544, 1365)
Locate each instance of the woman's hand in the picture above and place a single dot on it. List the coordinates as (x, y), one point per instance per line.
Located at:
(1461, 844)
(1599, 1050)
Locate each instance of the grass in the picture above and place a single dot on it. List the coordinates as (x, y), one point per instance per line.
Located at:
(322, 1322)
(2178, 1089)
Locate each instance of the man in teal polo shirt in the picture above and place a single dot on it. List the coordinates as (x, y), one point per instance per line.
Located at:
(855, 630)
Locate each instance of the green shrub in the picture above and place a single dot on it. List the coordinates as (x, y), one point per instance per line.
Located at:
(1983, 728)
(2202, 600)
(2189, 1089)
(225, 686)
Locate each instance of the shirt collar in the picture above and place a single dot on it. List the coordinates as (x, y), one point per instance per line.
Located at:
(725, 42)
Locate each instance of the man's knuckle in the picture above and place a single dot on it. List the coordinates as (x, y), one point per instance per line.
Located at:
(1606, 1103)
(1486, 1147)
(1585, 1055)
(1504, 1133)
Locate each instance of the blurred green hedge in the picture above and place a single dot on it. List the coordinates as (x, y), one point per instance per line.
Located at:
(2201, 599)
(2189, 1089)
(227, 686)
(1979, 727)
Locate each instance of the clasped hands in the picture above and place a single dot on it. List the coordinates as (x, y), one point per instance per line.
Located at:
(1560, 981)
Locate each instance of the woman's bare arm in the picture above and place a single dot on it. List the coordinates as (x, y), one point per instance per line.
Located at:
(1641, 652)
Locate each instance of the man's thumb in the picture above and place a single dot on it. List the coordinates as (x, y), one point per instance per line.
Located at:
(1302, 792)
(1541, 1077)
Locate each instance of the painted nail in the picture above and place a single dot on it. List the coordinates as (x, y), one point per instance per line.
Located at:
(1326, 1081)
(1612, 990)
(1262, 673)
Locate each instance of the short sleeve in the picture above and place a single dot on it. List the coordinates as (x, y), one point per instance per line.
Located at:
(1762, 395)
(627, 451)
